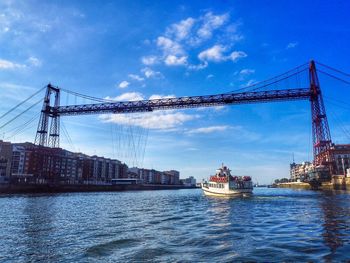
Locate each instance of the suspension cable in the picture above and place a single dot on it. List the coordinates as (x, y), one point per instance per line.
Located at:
(335, 77)
(15, 129)
(86, 96)
(274, 82)
(64, 129)
(21, 103)
(274, 79)
(24, 127)
(20, 114)
(334, 69)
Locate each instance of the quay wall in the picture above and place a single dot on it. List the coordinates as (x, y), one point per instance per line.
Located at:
(338, 182)
(46, 188)
(296, 185)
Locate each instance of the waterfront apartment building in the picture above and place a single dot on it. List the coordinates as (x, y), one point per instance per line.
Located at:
(306, 170)
(341, 153)
(190, 181)
(151, 176)
(26, 162)
(299, 172)
(29, 163)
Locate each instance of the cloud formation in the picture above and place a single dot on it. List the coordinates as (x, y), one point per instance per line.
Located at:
(150, 73)
(172, 60)
(149, 60)
(292, 45)
(217, 54)
(179, 44)
(128, 96)
(210, 129)
(124, 84)
(7, 64)
(160, 120)
(136, 77)
(247, 71)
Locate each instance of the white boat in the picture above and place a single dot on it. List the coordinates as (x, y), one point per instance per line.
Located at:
(224, 184)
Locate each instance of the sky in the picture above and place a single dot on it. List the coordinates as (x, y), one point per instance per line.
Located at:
(132, 50)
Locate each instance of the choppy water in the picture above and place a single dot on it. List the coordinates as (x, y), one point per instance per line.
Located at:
(175, 225)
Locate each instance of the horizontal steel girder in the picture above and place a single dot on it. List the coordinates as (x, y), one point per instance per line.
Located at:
(184, 102)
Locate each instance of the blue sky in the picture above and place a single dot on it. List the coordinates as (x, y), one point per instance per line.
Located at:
(126, 50)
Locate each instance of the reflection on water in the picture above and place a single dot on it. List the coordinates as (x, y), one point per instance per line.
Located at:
(336, 212)
(176, 225)
(39, 216)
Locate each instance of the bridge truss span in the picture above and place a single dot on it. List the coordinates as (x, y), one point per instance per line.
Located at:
(261, 92)
(184, 102)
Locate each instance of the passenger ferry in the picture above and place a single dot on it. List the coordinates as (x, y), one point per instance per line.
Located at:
(224, 184)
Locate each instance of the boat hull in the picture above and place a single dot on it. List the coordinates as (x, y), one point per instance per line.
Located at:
(231, 192)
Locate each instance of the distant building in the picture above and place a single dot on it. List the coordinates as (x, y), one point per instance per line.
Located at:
(171, 177)
(152, 176)
(299, 172)
(26, 162)
(341, 155)
(29, 163)
(190, 181)
(306, 171)
(5, 160)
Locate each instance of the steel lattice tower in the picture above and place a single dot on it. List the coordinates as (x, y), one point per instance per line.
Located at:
(48, 112)
(321, 135)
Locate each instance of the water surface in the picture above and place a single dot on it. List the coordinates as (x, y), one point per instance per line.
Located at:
(175, 225)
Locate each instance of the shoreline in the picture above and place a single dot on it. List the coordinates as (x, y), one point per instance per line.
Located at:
(47, 188)
(337, 183)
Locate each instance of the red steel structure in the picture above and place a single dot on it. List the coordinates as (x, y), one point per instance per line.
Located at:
(320, 130)
(321, 136)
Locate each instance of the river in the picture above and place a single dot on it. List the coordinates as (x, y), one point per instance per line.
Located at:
(175, 225)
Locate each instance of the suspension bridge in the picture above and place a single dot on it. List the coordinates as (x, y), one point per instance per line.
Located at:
(271, 90)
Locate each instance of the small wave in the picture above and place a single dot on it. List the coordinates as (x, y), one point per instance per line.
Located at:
(106, 249)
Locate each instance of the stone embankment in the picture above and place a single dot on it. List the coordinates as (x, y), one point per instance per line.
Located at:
(339, 182)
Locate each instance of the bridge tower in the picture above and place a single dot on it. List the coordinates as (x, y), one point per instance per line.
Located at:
(49, 115)
(321, 135)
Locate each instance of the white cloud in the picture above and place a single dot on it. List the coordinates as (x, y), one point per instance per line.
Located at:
(176, 43)
(249, 83)
(128, 96)
(6, 64)
(199, 66)
(162, 120)
(136, 77)
(124, 84)
(235, 55)
(210, 76)
(33, 61)
(182, 29)
(169, 46)
(149, 73)
(149, 60)
(209, 129)
(247, 71)
(292, 45)
(214, 53)
(157, 97)
(172, 60)
(211, 22)
(192, 149)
